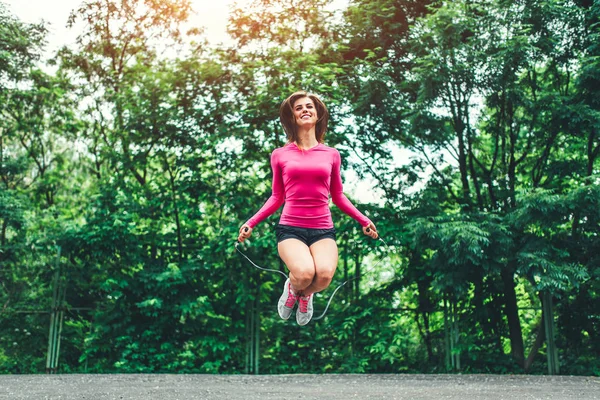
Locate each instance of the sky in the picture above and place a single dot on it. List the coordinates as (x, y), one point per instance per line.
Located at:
(210, 14)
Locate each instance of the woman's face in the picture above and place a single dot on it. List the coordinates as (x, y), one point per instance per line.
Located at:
(305, 112)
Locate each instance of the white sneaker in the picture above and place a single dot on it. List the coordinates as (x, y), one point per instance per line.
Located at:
(287, 301)
(305, 309)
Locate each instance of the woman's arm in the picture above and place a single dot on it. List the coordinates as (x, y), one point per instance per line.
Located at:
(339, 198)
(341, 201)
(277, 196)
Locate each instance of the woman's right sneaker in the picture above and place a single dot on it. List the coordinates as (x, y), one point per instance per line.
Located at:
(305, 309)
(286, 301)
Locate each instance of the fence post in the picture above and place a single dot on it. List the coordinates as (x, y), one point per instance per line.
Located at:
(447, 335)
(56, 318)
(551, 349)
(256, 334)
(52, 328)
(456, 353)
(451, 334)
(248, 341)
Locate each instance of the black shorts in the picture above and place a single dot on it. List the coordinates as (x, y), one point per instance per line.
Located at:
(308, 236)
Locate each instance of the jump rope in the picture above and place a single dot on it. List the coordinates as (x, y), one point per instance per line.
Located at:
(336, 289)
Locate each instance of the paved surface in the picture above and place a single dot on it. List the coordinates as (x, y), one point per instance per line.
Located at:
(280, 387)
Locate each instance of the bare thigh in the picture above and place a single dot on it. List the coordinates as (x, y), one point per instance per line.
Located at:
(298, 258)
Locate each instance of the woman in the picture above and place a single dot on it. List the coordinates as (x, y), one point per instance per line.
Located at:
(305, 173)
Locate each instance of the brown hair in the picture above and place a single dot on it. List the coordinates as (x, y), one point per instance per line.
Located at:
(286, 116)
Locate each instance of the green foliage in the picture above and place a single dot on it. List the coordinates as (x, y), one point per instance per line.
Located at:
(129, 170)
(20, 45)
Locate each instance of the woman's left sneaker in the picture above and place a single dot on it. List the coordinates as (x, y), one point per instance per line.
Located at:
(305, 309)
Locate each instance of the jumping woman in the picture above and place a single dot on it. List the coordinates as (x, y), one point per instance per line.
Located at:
(305, 173)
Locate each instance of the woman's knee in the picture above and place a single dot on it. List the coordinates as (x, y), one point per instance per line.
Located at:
(324, 276)
(303, 276)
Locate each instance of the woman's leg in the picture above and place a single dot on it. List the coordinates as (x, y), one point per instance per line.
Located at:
(325, 256)
(298, 258)
(311, 270)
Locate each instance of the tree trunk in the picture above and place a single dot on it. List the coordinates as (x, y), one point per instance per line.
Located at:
(539, 340)
(592, 152)
(357, 275)
(512, 315)
(462, 166)
(345, 258)
(175, 209)
(474, 177)
(3, 233)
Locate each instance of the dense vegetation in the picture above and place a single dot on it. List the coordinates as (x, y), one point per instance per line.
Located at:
(128, 162)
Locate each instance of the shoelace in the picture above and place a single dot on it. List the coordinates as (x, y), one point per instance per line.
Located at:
(292, 298)
(303, 304)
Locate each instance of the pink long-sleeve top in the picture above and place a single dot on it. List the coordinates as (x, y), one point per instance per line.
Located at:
(303, 180)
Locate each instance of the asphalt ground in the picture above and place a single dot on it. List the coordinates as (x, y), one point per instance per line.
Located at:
(281, 387)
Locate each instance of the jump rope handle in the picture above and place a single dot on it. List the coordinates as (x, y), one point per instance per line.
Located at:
(238, 243)
(378, 237)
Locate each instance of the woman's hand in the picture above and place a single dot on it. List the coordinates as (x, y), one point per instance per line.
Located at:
(245, 232)
(370, 230)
